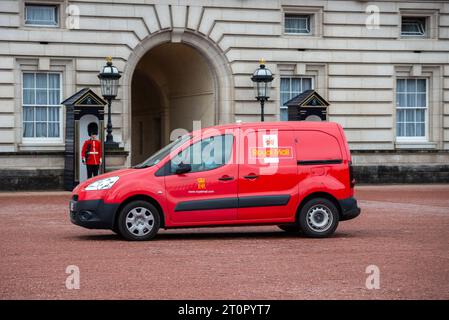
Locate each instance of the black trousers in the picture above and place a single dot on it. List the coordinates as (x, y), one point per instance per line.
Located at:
(92, 170)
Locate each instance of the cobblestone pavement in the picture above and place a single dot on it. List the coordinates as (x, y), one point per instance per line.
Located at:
(403, 230)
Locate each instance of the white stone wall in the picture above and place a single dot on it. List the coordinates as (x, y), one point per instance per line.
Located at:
(354, 67)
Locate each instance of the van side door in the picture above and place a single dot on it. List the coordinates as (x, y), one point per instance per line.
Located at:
(268, 182)
(208, 191)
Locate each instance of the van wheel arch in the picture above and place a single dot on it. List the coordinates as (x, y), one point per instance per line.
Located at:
(140, 197)
(318, 195)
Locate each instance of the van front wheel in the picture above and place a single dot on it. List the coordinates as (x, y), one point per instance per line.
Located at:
(318, 218)
(138, 220)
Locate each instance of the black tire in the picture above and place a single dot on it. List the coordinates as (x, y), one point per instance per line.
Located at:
(140, 212)
(291, 228)
(326, 213)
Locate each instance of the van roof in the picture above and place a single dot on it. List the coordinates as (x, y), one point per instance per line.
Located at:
(324, 125)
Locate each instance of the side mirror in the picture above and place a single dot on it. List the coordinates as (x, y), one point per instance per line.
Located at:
(183, 168)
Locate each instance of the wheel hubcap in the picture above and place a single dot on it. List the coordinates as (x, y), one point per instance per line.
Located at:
(139, 221)
(319, 218)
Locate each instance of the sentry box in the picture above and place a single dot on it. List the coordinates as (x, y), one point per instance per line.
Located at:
(296, 175)
(83, 109)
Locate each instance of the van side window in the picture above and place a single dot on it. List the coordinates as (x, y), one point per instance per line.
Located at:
(317, 146)
(207, 154)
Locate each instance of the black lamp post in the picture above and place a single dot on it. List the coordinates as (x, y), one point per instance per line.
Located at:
(109, 78)
(262, 79)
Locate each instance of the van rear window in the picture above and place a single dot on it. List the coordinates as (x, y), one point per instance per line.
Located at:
(317, 146)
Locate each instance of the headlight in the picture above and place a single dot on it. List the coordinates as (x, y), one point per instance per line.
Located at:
(102, 184)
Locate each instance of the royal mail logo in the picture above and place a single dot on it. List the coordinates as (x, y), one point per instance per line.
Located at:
(270, 140)
(201, 183)
(280, 152)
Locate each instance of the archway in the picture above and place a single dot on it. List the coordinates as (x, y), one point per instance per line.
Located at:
(172, 84)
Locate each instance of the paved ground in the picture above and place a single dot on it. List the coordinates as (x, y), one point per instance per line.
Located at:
(404, 230)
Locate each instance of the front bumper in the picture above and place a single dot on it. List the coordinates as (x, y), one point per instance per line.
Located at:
(93, 214)
(349, 209)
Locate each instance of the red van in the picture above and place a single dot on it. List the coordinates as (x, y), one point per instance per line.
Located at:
(296, 175)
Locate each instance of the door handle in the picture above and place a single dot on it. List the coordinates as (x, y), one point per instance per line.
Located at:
(226, 178)
(251, 176)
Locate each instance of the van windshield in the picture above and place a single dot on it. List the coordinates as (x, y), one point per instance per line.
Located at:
(162, 153)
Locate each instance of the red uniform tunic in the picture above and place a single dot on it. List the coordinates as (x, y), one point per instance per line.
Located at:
(95, 153)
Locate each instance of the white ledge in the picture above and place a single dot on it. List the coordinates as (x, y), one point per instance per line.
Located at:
(42, 147)
(415, 145)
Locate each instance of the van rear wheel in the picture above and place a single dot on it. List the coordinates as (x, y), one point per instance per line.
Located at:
(318, 218)
(138, 221)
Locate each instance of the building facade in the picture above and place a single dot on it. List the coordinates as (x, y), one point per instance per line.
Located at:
(382, 65)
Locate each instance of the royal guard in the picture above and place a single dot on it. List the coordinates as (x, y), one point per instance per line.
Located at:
(92, 152)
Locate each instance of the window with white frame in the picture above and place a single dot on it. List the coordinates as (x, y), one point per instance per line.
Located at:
(411, 106)
(41, 105)
(41, 15)
(413, 26)
(297, 24)
(291, 87)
